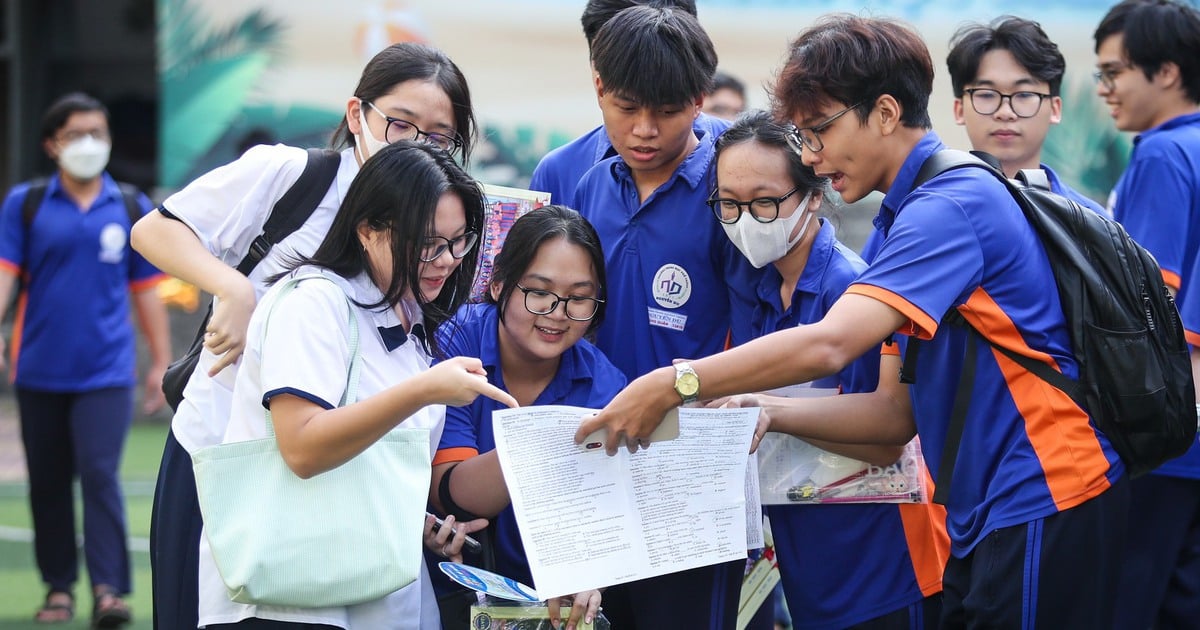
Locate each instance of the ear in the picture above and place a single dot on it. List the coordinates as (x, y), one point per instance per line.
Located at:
(495, 288)
(365, 234)
(51, 149)
(598, 84)
(888, 110)
(814, 202)
(1168, 75)
(1055, 110)
(699, 106)
(353, 109)
(959, 119)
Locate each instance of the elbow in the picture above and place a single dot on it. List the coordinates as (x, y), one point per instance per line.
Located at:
(830, 357)
(302, 466)
(886, 456)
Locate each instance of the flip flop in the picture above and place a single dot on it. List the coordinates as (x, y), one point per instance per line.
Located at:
(56, 611)
(109, 610)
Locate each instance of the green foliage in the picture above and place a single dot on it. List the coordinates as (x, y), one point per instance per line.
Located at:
(1086, 149)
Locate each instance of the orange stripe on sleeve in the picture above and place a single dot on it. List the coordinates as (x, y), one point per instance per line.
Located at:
(890, 349)
(6, 265)
(920, 324)
(1192, 337)
(1171, 279)
(456, 454)
(1062, 437)
(14, 347)
(147, 283)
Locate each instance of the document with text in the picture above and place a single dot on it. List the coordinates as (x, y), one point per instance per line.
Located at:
(590, 520)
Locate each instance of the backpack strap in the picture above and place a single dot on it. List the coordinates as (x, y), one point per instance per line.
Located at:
(34, 197)
(295, 206)
(130, 194)
(958, 412)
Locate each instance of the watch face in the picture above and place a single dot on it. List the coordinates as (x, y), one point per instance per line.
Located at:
(687, 384)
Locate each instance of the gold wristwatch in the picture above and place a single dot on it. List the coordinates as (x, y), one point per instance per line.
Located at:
(687, 383)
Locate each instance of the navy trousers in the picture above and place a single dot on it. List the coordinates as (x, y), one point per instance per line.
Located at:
(175, 528)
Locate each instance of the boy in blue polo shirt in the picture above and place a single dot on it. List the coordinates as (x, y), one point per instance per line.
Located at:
(672, 273)
(1038, 503)
(1148, 54)
(1007, 79)
(74, 359)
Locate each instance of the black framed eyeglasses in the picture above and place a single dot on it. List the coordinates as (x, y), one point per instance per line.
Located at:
(801, 138)
(1107, 76)
(71, 135)
(543, 302)
(986, 101)
(763, 209)
(459, 246)
(400, 129)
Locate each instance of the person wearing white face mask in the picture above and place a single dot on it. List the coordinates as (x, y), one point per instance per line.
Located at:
(74, 368)
(862, 565)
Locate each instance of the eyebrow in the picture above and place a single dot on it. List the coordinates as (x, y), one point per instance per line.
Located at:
(1025, 81)
(407, 115)
(534, 276)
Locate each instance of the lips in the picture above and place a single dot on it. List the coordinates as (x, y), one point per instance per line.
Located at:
(1005, 134)
(836, 181)
(550, 334)
(643, 154)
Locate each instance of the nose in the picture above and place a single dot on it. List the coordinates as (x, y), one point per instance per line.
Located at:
(1006, 111)
(810, 158)
(645, 125)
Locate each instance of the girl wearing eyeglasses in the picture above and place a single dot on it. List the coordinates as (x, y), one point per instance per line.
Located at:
(547, 291)
(199, 234)
(859, 565)
(387, 254)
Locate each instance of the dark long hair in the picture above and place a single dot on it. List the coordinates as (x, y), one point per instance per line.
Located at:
(527, 235)
(398, 190)
(759, 126)
(407, 62)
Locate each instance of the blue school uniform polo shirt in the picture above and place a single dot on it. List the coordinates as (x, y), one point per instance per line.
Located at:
(672, 272)
(842, 565)
(1157, 199)
(1028, 451)
(875, 239)
(72, 330)
(560, 170)
(585, 378)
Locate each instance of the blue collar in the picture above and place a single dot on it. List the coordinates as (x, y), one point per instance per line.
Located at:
(1174, 123)
(814, 269)
(489, 354)
(108, 188)
(905, 178)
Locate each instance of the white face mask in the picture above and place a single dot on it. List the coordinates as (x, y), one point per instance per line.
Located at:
(764, 243)
(374, 145)
(85, 158)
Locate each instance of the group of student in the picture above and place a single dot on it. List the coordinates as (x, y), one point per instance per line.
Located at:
(676, 235)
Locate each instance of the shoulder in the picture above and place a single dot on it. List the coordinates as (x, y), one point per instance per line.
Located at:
(276, 166)
(604, 373)
(463, 333)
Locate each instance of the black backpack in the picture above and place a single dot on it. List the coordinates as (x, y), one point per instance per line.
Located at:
(289, 213)
(1135, 373)
(38, 188)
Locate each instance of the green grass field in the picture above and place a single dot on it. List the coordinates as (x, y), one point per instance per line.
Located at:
(21, 590)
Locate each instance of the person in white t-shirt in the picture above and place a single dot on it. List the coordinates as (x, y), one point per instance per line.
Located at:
(199, 234)
(401, 250)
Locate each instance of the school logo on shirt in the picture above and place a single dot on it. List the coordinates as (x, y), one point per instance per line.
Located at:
(672, 286)
(112, 243)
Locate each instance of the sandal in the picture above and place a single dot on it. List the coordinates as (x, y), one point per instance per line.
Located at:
(109, 610)
(59, 607)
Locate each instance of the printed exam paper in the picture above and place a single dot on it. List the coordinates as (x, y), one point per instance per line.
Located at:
(589, 520)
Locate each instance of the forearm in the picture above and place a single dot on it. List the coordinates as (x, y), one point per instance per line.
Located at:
(873, 418)
(877, 454)
(152, 316)
(313, 440)
(171, 246)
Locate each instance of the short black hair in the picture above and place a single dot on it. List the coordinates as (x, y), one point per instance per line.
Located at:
(1023, 39)
(597, 13)
(655, 56)
(1157, 32)
(60, 110)
(854, 60)
(761, 127)
(527, 235)
(726, 81)
(398, 190)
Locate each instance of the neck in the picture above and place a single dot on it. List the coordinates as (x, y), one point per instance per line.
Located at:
(524, 377)
(791, 266)
(903, 141)
(1174, 109)
(83, 193)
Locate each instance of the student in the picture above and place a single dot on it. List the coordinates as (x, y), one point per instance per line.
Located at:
(1148, 54)
(671, 269)
(1007, 79)
(727, 100)
(1037, 504)
(535, 350)
(400, 250)
(863, 566)
(200, 233)
(560, 170)
(74, 357)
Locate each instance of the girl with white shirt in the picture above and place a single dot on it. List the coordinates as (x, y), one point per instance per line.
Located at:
(199, 234)
(402, 250)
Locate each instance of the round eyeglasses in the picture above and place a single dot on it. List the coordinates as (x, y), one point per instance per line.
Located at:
(400, 129)
(458, 246)
(763, 209)
(1024, 104)
(1107, 76)
(543, 302)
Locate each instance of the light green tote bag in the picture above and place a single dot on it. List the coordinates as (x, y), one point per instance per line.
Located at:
(349, 535)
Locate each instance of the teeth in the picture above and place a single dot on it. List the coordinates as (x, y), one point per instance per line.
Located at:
(548, 331)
